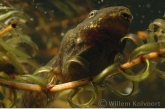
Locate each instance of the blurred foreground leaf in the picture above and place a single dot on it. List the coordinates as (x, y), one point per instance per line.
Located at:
(13, 50)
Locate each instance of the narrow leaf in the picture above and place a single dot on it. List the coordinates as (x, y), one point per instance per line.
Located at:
(134, 38)
(109, 71)
(81, 61)
(64, 8)
(35, 79)
(27, 39)
(4, 7)
(144, 49)
(134, 89)
(13, 50)
(22, 39)
(150, 37)
(160, 73)
(4, 16)
(43, 69)
(32, 63)
(75, 92)
(15, 62)
(160, 23)
(15, 98)
(138, 77)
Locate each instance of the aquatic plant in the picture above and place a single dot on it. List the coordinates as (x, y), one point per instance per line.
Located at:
(15, 76)
(13, 60)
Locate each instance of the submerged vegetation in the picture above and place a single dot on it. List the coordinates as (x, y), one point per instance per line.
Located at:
(13, 57)
(19, 71)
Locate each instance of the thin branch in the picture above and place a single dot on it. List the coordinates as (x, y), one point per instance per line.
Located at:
(8, 28)
(18, 85)
(38, 88)
(69, 85)
(139, 60)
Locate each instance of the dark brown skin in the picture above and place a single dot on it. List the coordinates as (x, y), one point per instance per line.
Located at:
(95, 40)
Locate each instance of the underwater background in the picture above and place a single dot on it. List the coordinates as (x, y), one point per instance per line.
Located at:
(47, 21)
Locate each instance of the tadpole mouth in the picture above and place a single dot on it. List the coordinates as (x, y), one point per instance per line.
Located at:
(126, 16)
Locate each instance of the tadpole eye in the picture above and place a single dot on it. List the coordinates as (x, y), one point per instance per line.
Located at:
(92, 13)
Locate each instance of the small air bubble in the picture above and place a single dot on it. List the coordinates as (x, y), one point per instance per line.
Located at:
(139, 5)
(31, 19)
(128, 90)
(148, 5)
(62, 34)
(159, 11)
(45, 12)
(102, 0)
(143, 16)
